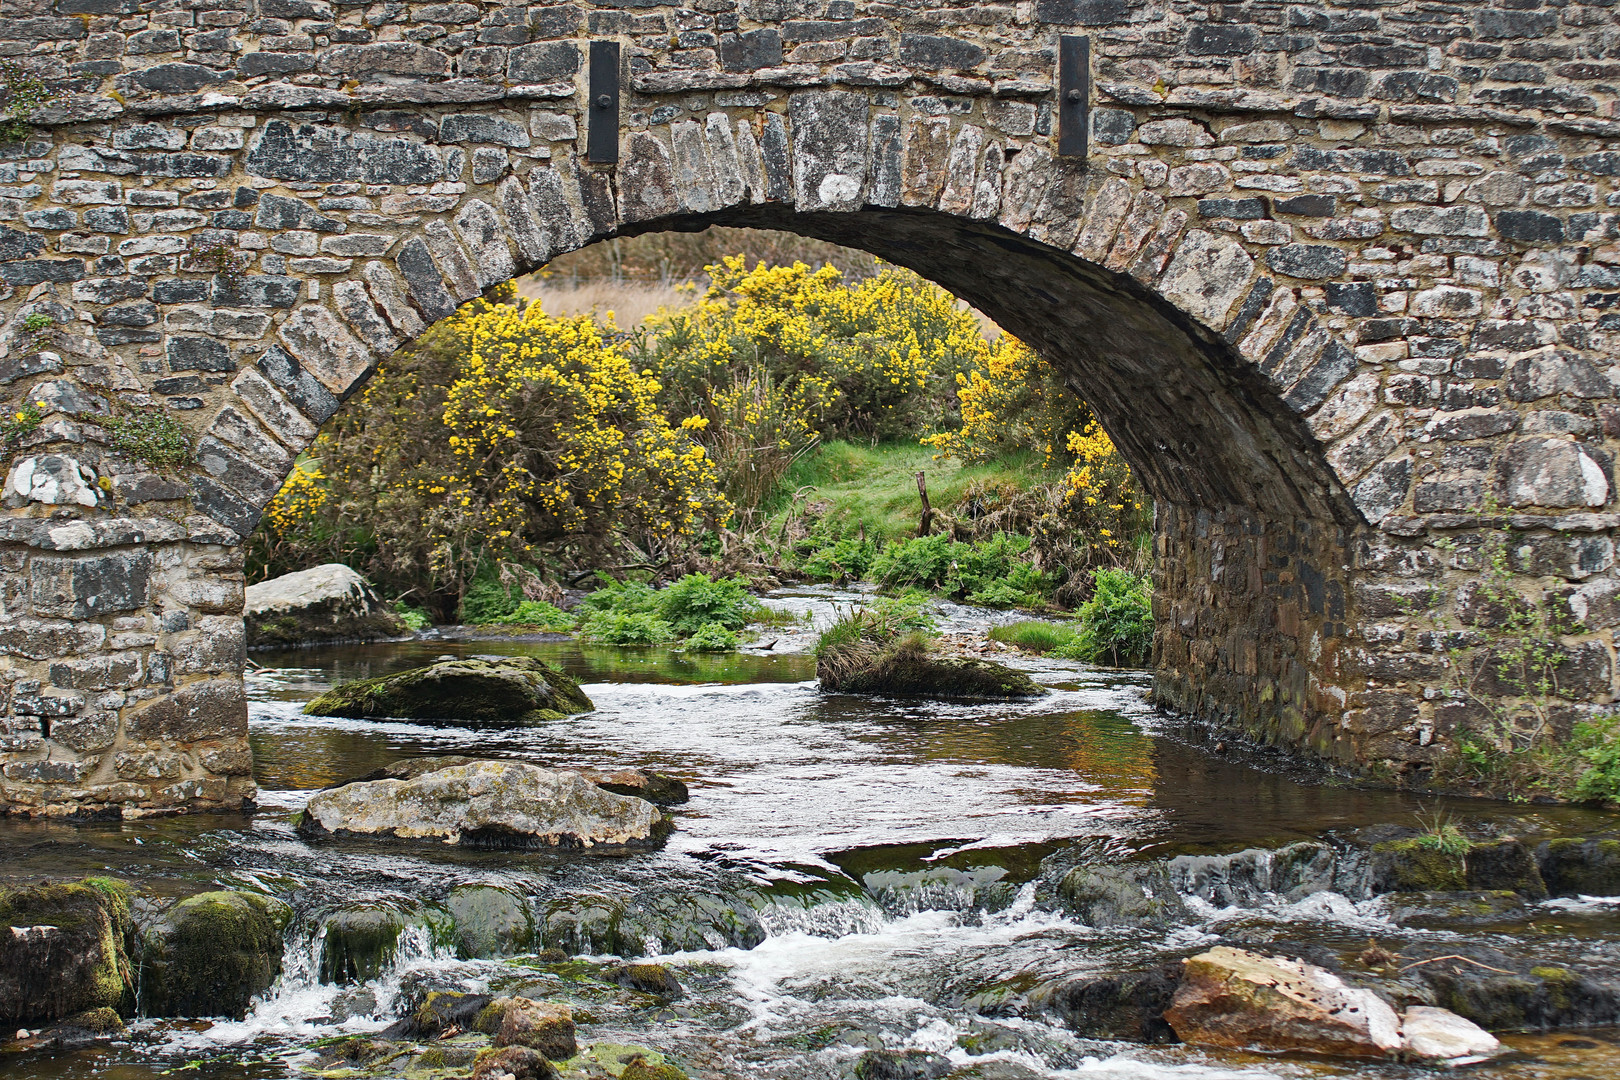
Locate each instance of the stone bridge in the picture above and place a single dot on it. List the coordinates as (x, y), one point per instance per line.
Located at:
(1340, 279)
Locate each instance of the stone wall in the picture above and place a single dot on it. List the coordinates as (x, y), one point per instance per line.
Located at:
(1335, 277)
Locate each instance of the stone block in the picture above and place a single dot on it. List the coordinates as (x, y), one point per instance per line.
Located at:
(212, 709)
(83, 587)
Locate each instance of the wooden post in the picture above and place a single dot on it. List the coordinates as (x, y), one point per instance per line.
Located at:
(927, 511)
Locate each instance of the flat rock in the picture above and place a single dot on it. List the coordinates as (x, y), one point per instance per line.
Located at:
(1237, 999)
(501, 804)
(639, 783)
(1441, 1035)
(324, 603)
(480, 691)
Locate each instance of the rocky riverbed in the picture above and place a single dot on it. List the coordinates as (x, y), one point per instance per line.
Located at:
(856, 887)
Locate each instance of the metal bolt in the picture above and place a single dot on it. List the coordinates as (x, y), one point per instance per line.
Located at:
(604, 101)
(1076, 97)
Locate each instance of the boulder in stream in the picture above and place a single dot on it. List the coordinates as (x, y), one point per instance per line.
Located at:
(325, 603)
(483, 691)
(360, 943)
(1579, 867)
(212, 954)
(906, 667)
(540, 1025)
(640, 783)
(488, 804)
(65, 949)
(512, 1063)
(1239, 1000)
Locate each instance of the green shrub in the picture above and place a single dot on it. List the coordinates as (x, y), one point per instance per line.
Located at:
(925, 561)
(487, 601)
(1035, 636)
(1116, 624)
(843, 560)
(696, 600)
(151, 435)
(1597, 742)
(627, 628)
(540, 614)
(712, 637)
(413, 617)
(627, 597)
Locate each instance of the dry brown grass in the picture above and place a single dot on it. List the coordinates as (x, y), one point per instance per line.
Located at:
(630, 302)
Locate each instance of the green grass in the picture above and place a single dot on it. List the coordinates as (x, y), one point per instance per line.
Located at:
(876, 486)
(1037, 637)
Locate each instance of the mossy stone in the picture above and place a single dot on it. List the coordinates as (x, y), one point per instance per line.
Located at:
(361, 943)
(490, 692)
(1580, 867)
(489, 921)
(65, 949)
(909, 673)
(212, 954)
(1414, 865)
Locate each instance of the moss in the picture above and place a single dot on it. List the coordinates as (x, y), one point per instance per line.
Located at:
(360, 944)
(511, 690)
(102, 1021)
(1411, 865)
(212, 954)
(85, 967)
(641, 1070)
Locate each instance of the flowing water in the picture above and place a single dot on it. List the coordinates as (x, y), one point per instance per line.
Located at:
(849, 873)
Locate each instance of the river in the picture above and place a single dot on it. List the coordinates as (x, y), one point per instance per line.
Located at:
(849, 873)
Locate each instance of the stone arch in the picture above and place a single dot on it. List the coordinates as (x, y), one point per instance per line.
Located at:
(1325, 298)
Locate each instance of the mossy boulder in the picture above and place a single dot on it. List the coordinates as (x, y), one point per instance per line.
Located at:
(901, 1065)
(1456, 910)
(647, 978)
(360, 943)
(1417, 865)
(1504, 992)
(1577, 867)
(918, 674)
(212, 954)
(540, 1025)
(65, 949)
(490, 921)
(512, 1063)
(483, 691)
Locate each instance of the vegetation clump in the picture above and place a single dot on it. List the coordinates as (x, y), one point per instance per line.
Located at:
(492, 691)
(152, 435)
(889, 649)
(24, 92)
(23, 421)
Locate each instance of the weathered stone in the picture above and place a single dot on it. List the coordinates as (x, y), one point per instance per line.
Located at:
(480, 691)
(212, 954)
(830, 149)
(485, 804)
(542, 1026)
(1241, 1000)
(324, 603)
(66, 950)
(1551, 473)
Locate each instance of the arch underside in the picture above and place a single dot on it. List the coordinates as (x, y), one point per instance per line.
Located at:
(1201, 425)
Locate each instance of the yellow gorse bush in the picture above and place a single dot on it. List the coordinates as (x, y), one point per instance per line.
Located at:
(874, 358)
(1017, 401)
(503, 432)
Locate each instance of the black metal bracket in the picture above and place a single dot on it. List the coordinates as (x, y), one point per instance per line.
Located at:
(1074, 96)
(602, 111)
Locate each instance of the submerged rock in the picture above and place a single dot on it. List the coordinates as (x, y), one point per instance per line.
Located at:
(490, 691)
(212, 954)
(490, 922)
(901, 1065)
(324, 603)
(441, 1014)
(1506, 993)
(1126, 896)
(904, 669)
(1239, 1000)
(491, 804)
(64, 950)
